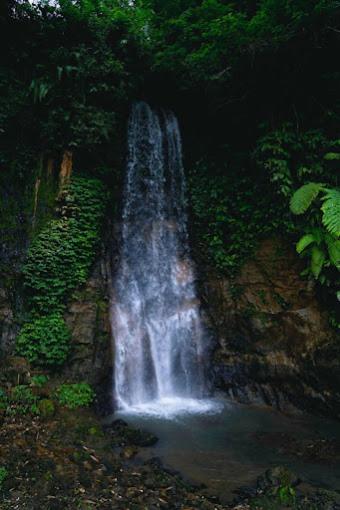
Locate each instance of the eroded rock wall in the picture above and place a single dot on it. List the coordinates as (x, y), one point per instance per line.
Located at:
(275, 345)
(87, 317)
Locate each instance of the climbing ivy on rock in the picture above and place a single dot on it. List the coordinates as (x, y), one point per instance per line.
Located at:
(61, 255)
(45, 340)
(58, 261)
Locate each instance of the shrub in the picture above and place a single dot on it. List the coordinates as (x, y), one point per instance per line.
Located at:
(45, 340)
(75, 395)
(19, 401)
(23, 394)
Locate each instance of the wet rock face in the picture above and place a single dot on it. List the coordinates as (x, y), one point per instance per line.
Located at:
(87, 317)
(275, 344)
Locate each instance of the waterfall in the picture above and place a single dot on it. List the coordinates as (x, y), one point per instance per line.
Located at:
(159, 340)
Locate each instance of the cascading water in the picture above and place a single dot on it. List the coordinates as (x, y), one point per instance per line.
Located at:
(159, 339)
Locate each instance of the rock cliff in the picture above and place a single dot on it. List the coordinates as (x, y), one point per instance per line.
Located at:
(275, 345)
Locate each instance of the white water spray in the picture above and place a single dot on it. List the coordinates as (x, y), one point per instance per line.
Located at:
(160, 362)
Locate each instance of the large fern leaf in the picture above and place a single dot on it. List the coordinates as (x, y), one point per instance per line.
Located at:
(304, 196)
(316, 235)
(317, 261)
(331, 211)
(333, 246)
(305, 241)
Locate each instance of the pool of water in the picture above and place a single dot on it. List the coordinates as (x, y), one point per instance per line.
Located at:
(223, 449)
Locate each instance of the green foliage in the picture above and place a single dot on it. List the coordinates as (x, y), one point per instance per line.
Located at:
(203, 41)
(60, 257)
(304, 242)
(231, 214)
(39, 380)
(45, 341)
(20, 400)
(290, 157)
(318, 257)
(287, 495)
(3, 475)
(332, 156)
(321, 241)
(323, 245)
(23, 394)
(304, 196)
(333, 246)
(331, 211)
(75, 395)
(72, 78)
(58, 261)
(278, 498)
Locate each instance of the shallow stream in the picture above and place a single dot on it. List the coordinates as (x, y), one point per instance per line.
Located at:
(231, 447)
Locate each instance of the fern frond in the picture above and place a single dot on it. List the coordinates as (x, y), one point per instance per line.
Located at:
(304, 196)
(333, 246)
(331, 211)
(331, 156)
(305, 241)
(317, 261)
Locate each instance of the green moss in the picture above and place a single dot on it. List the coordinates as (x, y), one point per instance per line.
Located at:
(46, 408)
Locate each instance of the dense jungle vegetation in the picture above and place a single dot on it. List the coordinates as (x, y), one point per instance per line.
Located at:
(256, 86)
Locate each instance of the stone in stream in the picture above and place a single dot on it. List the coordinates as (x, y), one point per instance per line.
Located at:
(124, 435)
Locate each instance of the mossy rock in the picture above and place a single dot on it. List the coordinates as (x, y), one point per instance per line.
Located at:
(46, 408)
(281, 476)
(124, 435)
